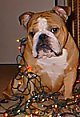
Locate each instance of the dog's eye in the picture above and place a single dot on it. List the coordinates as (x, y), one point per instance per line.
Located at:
(31, 34)
(54, 30)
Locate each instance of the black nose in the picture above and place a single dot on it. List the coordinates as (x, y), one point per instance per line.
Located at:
(43, 36)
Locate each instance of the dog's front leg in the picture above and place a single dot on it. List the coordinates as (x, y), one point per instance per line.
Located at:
(69, 81)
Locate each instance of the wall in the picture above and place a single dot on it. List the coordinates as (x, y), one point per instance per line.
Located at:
(62, 2)
(9, 25)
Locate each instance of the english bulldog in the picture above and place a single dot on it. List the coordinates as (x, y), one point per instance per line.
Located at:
(50, 49)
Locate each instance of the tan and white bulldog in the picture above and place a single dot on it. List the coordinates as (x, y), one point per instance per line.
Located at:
(50, 49)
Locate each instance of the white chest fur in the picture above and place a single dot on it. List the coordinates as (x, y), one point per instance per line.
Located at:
(54, 66)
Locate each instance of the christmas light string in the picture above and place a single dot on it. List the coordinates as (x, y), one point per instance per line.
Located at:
(36, 102)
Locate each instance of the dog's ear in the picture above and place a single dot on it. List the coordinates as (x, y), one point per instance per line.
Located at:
(24, 18)
(63, 11)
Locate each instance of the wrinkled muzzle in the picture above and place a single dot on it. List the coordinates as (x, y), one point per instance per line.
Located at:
(45, 44)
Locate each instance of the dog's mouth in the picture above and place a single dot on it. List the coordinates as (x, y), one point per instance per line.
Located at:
(45, 50)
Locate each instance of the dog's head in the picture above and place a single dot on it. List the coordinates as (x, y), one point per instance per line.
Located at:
(47, 33)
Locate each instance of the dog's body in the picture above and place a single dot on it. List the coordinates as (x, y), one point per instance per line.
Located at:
(50, 49)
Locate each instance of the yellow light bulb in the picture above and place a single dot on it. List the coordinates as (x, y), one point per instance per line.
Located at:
(22, 76)
(55, 106)
(19, 66)
(6, 115)
(19, 47)
(77, 96)
(20, 83)
(42, 100)
(66, 106)
(50, 115)
(18, 40)
(26, 115)
(36, 112)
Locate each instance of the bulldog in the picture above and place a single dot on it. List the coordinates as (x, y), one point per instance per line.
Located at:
(50, 49)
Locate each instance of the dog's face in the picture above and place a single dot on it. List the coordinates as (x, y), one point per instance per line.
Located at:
(47, 33)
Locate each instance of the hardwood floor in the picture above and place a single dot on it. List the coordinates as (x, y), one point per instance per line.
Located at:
(7, 72)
